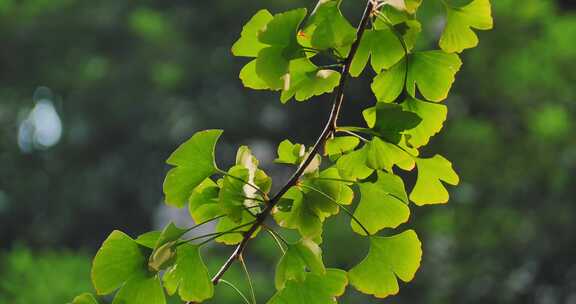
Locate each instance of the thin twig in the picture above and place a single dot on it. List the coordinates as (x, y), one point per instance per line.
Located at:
(329, 128)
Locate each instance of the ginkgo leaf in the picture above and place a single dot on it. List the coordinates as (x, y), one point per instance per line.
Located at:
(203, 204)
(458, 34)
(337, 146)
(383, 155)
(231, 196)
(433, 116)
(289, 153)
(315, 289)
(272, 66)
(164, 248)
(382, 204)
(148, 239)
(328, 28)
(431, 173)
(383, 48)
(226, 225)
(388, 85)
(189, 275)
(389, 121)
(324, 192)
(306, 80)
(409, 6)
(118, 260)
(352, 166)
(282, 29)
(194, 161)
(388, 259)
(248, 44)
(292, 213)
(85, 298)
(433, 73)
(299, 259)
(141, 289)
(250, 78)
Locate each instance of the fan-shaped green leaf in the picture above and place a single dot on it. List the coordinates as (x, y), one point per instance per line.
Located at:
(458, 34)
(306, 80)
(429, 188)
(433, 73)
(248, 44)
(194, 161)
(389, 258)
(282, 29)
(388, 85)
(289, 153)
(433, 116)
(382, 46)
(328, 28)
(118, 260)
(315, 289)
(382, 204)
(337, 146)
(352, 166)
(299, 258)
(189, 275)
(383, 155)
(294, 214)
(141, 289)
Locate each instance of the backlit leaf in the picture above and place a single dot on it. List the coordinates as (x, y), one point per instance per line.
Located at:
(315, 289)
(433, 73)
(307, 80)
(458, 34)
(194, 161)
(85, 298)
(328, 28)
(382, 47)
(117, 261)
(433, 116)
(189, 276)
(389, 258)
(431, 173)
(340, 145)
(141, 289)
(383, 204)
(299, 259)
(248, 44)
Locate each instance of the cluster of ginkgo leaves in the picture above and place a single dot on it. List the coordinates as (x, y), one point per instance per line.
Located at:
(356, 171)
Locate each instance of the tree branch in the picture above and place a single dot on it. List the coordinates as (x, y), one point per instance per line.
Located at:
(329, 128)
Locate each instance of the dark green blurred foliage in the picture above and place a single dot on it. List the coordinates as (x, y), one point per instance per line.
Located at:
(131, 80)
(42, 277)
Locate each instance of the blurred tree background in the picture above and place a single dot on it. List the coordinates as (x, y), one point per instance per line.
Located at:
(95, 95)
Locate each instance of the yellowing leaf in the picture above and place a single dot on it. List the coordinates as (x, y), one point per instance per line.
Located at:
(194, 161)
(429, 188)
(458, 34)
(389, 258)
